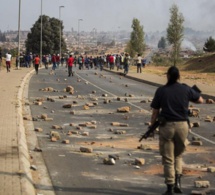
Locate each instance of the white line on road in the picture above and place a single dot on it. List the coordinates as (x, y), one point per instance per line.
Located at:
(212, 142)
(113, 94)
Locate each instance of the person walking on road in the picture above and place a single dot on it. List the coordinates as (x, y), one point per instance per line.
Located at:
(54, 62)
(36, 63)
(8, 61)
(171, 103)
(70, 65)
(139, 63)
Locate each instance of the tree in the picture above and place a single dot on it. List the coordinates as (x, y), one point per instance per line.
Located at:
(175, 32)
(50, 36)
(162, 43)
(2, 37)
(136, 43)
(209, 45)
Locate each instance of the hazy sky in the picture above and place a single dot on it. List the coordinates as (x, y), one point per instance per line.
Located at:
(108, 15)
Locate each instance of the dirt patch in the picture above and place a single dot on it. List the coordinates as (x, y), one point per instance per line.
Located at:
(128, 143)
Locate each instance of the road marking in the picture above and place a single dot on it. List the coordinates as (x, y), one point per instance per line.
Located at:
(112, 94)
(212, 142)
(148, 112)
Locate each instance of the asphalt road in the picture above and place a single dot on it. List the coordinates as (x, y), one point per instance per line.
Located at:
(73, 172)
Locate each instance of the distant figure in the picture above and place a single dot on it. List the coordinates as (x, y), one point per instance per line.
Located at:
(57, 60)
(70, 65)
(144, 62)
(117, 61)
(126, 64)
(0, 60)
(139, 63)
(54, 61)
(8, 61)
(111, 61)
(36, 63)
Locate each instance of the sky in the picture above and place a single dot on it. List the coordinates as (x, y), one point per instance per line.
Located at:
(108, 15)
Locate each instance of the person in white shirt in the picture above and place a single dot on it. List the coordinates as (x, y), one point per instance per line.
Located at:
(139, 63)
(8, 61)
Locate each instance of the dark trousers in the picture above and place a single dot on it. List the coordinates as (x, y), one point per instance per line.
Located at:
(139, 68)
(36, 66)
(70, 71)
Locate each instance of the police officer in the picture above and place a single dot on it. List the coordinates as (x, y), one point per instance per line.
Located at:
(171, 102)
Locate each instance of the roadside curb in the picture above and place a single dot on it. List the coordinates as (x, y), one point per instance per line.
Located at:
(27, 184)
(205, 96)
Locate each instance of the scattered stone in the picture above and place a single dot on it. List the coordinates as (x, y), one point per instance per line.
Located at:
(72, 112)
(67, 106)
(196, 124)
(209, 101)
(118, 98)
(139, 161)
(53, 139)
(144, 101)
(137, 167)
(109, 161)
(124, 109)
(126, 85)
(82, 125)
(115, 124)
(208, 119)
(86, 149)
(28, 118)
(89, 104)
(104, 95)
(115, 157)
(211, 169)
(70, 89)
(33, 167)
(57, 127)
(49, 119)
(91, 126)
(93, 92)
(61, 97)
(202, 192)
(38, 129)
(144, 147)
(52, 111)
(197, 143)
(37, 149)
(202, 184)
(194, 112)
(85, 134)
(124, 125)
(86, 82)
(55, 134)
(130, 95)
(43, 116)
(119, 132)
(38, 103)
(79, 128)
(94, 122)
(85, 107)
(66, 141)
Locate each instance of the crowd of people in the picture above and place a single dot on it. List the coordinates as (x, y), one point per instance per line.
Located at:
(111, 61)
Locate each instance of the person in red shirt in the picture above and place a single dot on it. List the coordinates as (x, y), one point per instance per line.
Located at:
(111, 60)
(36, 63)
(54, 62)
(70, 65)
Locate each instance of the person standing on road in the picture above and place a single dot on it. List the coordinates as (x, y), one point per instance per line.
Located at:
(36, 63)
(70, 65)
(139, 63)
(8, 61)
(111, 61)
(126, 64)
(171, 102)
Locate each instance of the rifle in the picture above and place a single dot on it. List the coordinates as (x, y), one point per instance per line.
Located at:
(160, 121)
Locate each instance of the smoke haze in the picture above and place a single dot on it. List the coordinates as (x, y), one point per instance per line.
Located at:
(109, 15)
